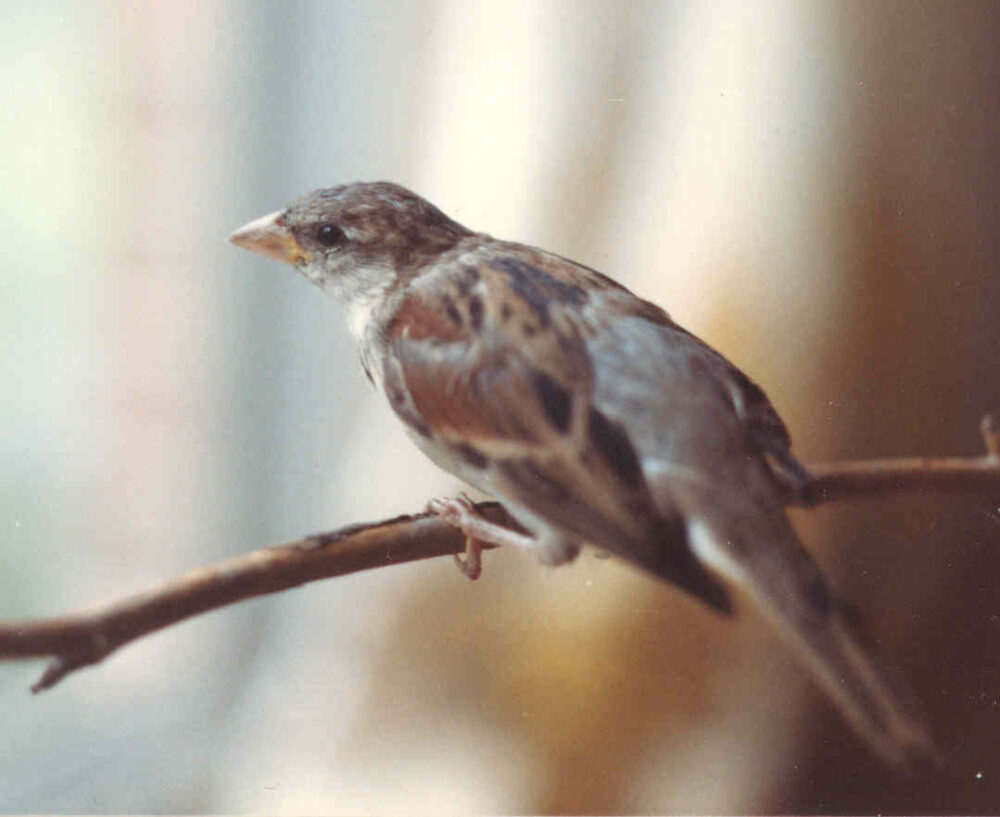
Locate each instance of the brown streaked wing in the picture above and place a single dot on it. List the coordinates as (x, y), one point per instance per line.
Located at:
(552, 452)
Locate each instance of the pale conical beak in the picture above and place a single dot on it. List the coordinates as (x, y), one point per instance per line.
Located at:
(269, 236)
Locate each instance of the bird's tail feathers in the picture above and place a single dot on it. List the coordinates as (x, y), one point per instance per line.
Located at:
(788, 587)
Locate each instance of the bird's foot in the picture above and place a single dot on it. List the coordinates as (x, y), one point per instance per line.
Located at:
(479, 532)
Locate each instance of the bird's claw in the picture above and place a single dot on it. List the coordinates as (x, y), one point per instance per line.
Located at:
(479, 532)
(459, 511)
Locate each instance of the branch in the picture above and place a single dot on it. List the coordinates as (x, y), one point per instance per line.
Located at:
(871, 479)
(78, 640)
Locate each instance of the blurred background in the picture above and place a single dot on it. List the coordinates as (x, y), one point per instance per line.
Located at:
(813, 187)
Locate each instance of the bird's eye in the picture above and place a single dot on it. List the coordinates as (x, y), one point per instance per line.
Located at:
(330, 235)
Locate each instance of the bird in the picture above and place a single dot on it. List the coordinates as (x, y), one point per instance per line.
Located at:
(591, 415)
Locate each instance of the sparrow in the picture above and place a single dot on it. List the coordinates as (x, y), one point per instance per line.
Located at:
(591, 415)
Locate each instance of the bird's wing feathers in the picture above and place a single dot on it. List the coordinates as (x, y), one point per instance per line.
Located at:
(490, 369)
(765, 430)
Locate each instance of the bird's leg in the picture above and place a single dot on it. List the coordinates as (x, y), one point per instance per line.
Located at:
(479, 532)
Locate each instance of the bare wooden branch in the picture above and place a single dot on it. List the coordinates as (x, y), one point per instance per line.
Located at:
(81, 639)
(873, 479)
(78, 640)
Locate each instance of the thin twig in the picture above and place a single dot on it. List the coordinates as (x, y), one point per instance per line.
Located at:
(78, 640)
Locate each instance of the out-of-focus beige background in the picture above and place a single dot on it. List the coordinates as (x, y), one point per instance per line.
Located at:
(814, 187)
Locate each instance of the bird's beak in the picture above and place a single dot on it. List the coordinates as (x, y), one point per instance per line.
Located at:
(269, 236)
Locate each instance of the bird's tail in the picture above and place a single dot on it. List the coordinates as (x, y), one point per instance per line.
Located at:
(763, 555)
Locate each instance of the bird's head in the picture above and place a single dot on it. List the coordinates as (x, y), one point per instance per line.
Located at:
(356, 239)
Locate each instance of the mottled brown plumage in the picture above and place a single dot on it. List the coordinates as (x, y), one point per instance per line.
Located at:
(588, 412)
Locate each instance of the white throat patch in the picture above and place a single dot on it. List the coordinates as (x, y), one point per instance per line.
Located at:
(360, 292)
(359, 310)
